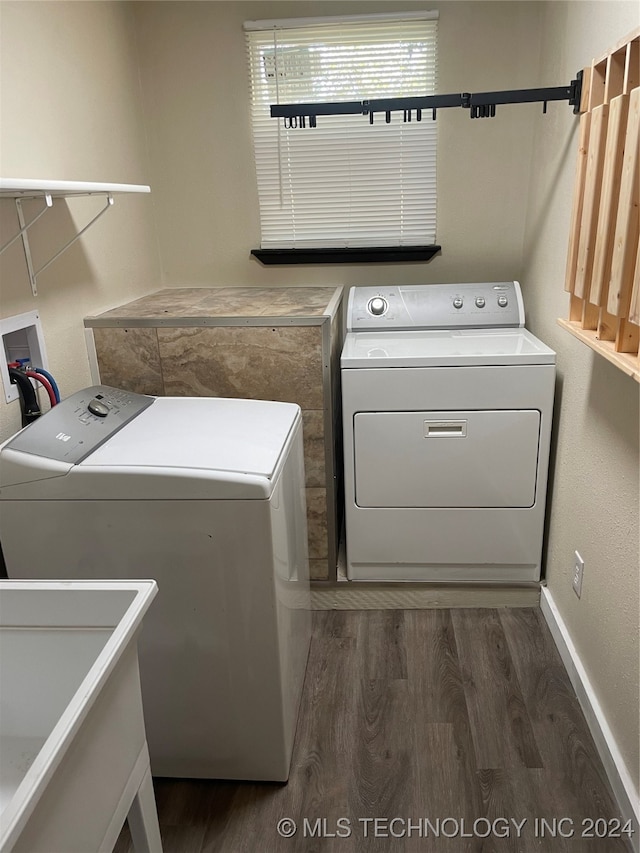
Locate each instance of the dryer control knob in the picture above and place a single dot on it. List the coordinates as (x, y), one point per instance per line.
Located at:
(480, 303)
(503, 301)
(457, 302)
(377, 306)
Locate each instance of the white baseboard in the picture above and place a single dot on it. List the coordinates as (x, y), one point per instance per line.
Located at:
(615, 768)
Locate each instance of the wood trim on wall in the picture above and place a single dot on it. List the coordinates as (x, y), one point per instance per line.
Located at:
(602, 273)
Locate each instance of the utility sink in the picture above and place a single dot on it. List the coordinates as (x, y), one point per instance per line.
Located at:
(74, 762)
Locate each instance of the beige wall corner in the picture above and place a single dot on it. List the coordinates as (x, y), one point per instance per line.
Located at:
(70, 109)
(594, 496)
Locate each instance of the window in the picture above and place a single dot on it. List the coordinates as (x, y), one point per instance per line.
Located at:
(344, 183)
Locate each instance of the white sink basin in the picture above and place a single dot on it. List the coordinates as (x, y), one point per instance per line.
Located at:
(73, 754)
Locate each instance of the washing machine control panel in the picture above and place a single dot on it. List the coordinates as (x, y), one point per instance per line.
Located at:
(436, 306)
(79, 424)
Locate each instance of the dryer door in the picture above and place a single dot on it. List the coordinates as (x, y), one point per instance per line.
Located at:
(446, 459)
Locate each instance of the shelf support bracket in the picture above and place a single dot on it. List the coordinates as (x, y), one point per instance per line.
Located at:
(23, 232)
(24, 228)
(108, 204)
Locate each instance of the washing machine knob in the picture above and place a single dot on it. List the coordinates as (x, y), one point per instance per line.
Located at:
(377, 306)
(480, 303)
(97, 408)
(458, 302)
(503, 301)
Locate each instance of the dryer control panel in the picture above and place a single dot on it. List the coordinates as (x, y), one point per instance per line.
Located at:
(436, 306)
(80, 423)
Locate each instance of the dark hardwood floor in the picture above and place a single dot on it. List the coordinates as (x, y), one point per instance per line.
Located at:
(461, 725)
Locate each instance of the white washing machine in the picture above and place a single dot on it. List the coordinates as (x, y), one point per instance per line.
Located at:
(447, 406)
(207, 497)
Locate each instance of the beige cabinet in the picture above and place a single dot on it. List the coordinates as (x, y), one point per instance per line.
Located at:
(263, 343)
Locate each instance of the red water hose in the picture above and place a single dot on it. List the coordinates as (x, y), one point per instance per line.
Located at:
(45, 384)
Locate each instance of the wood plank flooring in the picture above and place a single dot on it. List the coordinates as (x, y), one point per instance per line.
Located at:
(462, 718)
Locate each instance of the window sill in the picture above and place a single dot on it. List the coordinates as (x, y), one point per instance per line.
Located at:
(364, 255)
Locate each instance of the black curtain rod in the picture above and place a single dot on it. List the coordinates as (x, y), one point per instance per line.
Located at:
(480, 105)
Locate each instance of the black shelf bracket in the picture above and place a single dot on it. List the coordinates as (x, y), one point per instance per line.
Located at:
(480, 105)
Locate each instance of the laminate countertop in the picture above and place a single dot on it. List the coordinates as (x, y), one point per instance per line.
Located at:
(223, 306)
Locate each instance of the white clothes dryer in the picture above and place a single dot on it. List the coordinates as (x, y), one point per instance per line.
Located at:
(447, 408)
(206, 496)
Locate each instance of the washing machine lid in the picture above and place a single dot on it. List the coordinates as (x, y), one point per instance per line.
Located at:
(174, 448)
(202, 433)
(444, 348)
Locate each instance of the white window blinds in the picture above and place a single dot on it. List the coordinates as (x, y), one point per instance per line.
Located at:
(344, 183)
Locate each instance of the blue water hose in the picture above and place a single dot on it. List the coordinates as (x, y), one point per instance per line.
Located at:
(53, 382)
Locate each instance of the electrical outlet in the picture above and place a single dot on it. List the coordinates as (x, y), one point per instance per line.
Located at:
(578, 571)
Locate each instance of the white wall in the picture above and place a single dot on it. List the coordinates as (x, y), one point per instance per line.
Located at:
(594, 501)
(70, 108)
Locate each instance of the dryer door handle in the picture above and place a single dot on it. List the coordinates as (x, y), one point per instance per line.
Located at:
(445, 429)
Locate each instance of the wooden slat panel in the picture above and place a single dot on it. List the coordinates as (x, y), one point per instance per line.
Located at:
(632, 66)
(614, 81)
(634, 313)
(607, 326)
(598, 81)
(625, 242)
(585, 92)
(612, 172)
(591, 202)
(590, 316)
(628, 337)
(627, 362)
(603, 262)
(575, 309)
(578, 198)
